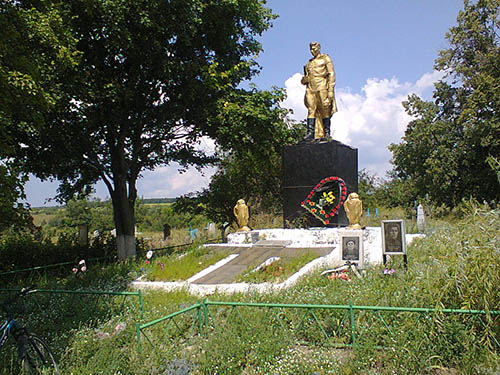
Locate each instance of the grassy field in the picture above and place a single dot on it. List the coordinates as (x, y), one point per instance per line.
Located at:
(456, 266)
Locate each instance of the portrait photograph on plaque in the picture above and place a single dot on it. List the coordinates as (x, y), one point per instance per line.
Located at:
(393, 237)
(351, 248)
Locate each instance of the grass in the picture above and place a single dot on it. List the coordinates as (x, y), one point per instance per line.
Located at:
(276, 271)
(456, 266)
(179, 267)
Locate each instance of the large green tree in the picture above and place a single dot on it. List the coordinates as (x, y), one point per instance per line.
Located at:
(152, 73)
(445, 148)
(35, 49)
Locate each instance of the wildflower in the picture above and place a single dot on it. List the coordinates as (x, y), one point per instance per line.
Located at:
(83, 265)
(147, 262)
(388, 271)
(120, 327)
(102, 335)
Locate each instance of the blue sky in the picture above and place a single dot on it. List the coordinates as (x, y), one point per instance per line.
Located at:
(382, 51)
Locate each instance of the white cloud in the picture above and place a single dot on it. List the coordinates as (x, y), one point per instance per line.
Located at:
(369, 120)
(169, 182)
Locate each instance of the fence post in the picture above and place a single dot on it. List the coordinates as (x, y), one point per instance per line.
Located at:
(205, 311)
(198, 315)
(138, 334)
(353, 324)
(141, 303)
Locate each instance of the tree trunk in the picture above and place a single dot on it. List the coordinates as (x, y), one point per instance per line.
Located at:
(124, 217)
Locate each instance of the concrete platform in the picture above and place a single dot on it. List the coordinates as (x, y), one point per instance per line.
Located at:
(221, 277)
(252, 257)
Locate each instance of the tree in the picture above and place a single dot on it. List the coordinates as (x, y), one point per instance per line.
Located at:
(253, 130)
(11, 212)
(34, 50)
(445, 148)
(151, 73)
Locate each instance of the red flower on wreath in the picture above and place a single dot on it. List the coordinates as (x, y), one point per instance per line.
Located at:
(320, 212)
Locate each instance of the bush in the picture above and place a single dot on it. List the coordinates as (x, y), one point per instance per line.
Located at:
(22, 250)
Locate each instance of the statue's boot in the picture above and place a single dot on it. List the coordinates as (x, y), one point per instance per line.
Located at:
(311, 122)
(326, 129)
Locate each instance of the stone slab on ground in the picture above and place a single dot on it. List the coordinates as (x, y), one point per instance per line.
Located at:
(273, 243)
(252, 257)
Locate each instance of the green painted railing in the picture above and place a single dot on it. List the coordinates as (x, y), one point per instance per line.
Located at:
(202, 316)
(137, 294)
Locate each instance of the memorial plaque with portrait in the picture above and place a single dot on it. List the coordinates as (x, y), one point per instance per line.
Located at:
(393, 237)
(351, 248)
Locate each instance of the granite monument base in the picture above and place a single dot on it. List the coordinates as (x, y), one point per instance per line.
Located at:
(304, 166)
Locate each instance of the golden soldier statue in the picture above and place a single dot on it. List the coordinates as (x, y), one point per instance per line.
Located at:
(319, 78)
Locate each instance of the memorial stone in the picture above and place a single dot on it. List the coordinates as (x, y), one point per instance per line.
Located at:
(305, 165)
(420, 218)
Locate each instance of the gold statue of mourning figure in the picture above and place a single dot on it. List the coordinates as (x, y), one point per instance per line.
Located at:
(241, 213)
(354, 210)
(319, 78)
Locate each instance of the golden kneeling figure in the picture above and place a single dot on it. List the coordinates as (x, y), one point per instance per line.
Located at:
(354, 210)
(241, 213)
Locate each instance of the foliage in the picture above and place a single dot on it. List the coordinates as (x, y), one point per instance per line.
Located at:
(153, 217)
(252, 131)
(151, 74)
(12, 213)
(34, 50)
(99, 216)
(23, 250)
(445, 148)
(495, 165)
(368, 185)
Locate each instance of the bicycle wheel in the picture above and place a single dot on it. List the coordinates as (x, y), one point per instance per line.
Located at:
(36, 356)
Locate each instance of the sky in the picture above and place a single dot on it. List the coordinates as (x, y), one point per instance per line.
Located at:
(382, 52)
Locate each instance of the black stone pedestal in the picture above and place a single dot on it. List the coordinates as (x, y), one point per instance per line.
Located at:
(304, 166)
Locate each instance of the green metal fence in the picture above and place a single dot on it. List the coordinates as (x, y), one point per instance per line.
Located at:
(96, 293)
(199, 315)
